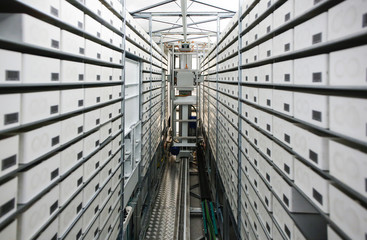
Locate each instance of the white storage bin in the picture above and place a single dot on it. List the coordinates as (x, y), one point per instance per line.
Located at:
(312, 146)
(107, 54)
(39, 105)
(71, 15)
(72, 43)
(10, 67)
(8, 201)
(106, 35)
(71, 128)
(301, 7)
(265, 49)
(283, 43)
(92, 119)
(283, 14)
(265, 97)
(39, 177)
(30, 221)
(76, 231)
(94, 6)
(283, 131)
(283, 160)
(347, 18)
(92, 96)
(37, 69)
(312, 70)
(348, 67)
(106, 94)
(71, 100)
(266, 25)
(312, 32)
(312, 108)
(312, 184)
(93, 50)
(283, 102)
(9, 154)
(38, 142)
(10, 110)
(106, 113)
(89, 192)
(50, 7)
(92, 26)
(92, 73)
(71, 71)
(289, 196)
(70, 184)
(348, 165)
(348, 117)
(91, 166)
(91, 143)
(70, 156)
(31, 31)
(285, 222)
(283, 72)
(68, 214)
(93, 230)
(347, 214)
(105, 132)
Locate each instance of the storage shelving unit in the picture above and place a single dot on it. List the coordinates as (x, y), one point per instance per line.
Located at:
(279, 88)
(63, 83)
(64, 125)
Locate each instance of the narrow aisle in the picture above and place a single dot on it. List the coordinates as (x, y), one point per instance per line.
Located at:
(163, 220)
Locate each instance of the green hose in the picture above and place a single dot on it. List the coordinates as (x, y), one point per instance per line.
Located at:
(204, 220)
(210, 223)
(213, 216)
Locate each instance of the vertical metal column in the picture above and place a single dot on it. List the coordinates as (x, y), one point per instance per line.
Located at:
(122, 180)
(172, 91)
(217, 87)
(163, 93)
(150, 87)
(216, 153)
(239, 126)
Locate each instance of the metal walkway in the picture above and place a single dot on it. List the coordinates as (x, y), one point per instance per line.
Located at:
(164, 220)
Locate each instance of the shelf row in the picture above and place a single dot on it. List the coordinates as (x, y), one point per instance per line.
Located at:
(335, 145)
(87, 173)
(30, 108)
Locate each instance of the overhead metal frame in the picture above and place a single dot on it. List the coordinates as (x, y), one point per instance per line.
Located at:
(188, 25)
(165, 33)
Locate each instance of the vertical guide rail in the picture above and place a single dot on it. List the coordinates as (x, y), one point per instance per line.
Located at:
(217, 88)
(216, 169)
(217, 77)
(186, 195)
(172, 92)
(239, 126)
(122, 180)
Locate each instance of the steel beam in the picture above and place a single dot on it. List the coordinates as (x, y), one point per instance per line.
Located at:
(204, 36)
(152, 6)
(187, 33)
(170, 23)
(209, 5)
(184, 20)
(179, 14)
(202, 29)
